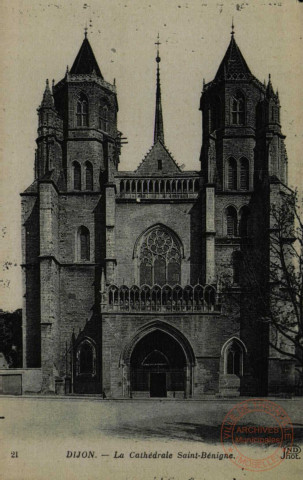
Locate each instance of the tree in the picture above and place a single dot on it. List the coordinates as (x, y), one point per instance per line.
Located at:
(11, 337)
(285, 306)
(269, 288)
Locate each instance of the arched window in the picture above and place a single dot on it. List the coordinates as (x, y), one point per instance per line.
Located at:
(231, 174)
(236, 263)
(103, 117)
(244, 174)
(231, 221)
(82, 111)
(83, 246)
(234, 359)
(76, 176)
(88, 176)
(86, 358)
(233, 352)
(243, 223)
(159, 258)
(238, 109)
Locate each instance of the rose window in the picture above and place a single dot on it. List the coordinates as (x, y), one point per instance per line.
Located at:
(160, 259)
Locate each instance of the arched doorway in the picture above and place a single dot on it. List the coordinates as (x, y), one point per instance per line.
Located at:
(158, 366)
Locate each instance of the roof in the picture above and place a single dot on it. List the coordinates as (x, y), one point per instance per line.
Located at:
(33, 188)
(56, 177)
(149, 165)
(233, 65)
(85, 62)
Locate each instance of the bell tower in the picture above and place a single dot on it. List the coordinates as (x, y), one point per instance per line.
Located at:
(228, 106)
(88, 106)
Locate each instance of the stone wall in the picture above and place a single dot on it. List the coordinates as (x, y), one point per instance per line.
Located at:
(205, 333)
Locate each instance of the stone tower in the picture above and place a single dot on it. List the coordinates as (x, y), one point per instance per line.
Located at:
(67, 231)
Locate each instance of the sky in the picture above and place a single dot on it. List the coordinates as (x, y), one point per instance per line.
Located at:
(39, 39)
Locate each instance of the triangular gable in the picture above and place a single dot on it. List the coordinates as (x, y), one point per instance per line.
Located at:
(150, 163)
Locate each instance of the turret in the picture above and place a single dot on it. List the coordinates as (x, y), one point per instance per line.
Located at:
(272, 157)
(48, 154)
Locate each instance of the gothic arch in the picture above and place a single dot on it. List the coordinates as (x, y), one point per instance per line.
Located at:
(164, 327)
(230, 221)
(240, 349)
(231, 174)
(86, 357)
(172, 357)
(76, 176)
(158, 254)
(244, 173)
(82, 252)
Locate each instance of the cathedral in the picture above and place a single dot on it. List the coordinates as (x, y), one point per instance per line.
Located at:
(134, 281)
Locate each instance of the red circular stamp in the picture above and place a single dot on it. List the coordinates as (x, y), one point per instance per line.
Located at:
(261, 424)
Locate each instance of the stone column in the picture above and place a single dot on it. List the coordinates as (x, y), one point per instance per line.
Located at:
(49, 285)
(210, 233)
(110, 204)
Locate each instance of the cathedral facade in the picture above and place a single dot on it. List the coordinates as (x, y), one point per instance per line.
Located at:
(134, 280)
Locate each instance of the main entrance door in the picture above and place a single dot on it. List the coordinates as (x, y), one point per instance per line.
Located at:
(158, 366)
(158, 384)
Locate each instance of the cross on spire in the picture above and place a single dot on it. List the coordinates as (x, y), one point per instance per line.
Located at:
(85, 31)
(158, 43)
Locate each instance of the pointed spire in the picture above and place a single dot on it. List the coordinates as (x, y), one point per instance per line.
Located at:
(269, 88)
(233, 65)
(159, 128)
(85, 62)
(47, 100)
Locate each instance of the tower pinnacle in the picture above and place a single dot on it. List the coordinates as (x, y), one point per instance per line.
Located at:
(47, 100)
(159, 129)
